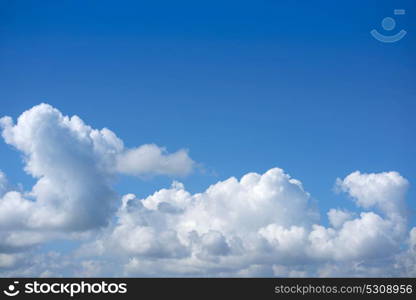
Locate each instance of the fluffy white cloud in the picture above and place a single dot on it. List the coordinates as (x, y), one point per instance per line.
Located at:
(70, 161)
(337, 217)
(74, 165)
(369, 236)
(407, 260)
(262, 224)
(385, 191)
(154, 160)
(259, 225)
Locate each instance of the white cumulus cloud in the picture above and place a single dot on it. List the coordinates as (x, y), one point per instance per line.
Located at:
(257, 225)
(260, 225)
(153, 159)
(75, 166)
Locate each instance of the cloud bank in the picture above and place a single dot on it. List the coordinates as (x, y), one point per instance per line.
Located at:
(258, 225)
(262, 224)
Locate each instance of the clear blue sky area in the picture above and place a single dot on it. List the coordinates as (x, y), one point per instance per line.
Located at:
(244, 85)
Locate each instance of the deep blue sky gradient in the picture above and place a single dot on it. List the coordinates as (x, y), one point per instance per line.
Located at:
(244, 85)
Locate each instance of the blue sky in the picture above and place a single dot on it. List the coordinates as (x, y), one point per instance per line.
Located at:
(244, 85)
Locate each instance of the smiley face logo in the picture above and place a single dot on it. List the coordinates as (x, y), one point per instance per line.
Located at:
(389, 24)
(11, 289)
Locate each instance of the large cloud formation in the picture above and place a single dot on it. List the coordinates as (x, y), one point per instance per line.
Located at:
(74, 165)
(262, 224)
(259, 225)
